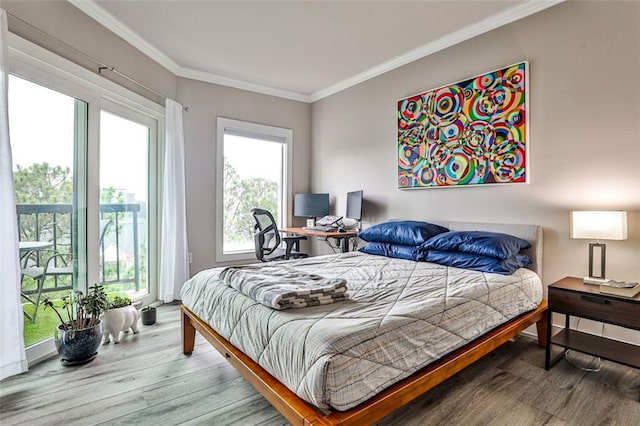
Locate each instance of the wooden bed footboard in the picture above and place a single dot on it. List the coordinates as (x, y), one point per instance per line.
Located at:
(299, 412)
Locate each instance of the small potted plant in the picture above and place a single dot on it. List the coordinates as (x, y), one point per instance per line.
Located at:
(121, 315)
(119, 302)
(77, 339)
(148, 315)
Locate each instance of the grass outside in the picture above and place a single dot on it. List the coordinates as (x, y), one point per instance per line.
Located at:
(44, 325)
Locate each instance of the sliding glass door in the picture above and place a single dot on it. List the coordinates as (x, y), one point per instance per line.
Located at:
(127, 205)
(85, 183)
(48, 131)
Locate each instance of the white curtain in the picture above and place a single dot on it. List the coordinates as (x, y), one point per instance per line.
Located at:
(174, 264)
(13, 359)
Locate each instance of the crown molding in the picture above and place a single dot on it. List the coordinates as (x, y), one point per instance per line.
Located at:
(495, 21)
(486, 25)
(95, 11)
(241, 84)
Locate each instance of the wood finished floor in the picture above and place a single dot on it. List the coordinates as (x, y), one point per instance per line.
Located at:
(146, 380)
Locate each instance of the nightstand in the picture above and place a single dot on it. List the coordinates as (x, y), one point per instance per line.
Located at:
(570, 296)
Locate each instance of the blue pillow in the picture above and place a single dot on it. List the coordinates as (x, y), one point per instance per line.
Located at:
(406, 232)
(394, 250)
(486, 243)
(478, 262)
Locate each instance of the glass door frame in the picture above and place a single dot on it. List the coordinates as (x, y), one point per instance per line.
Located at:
(33, 63)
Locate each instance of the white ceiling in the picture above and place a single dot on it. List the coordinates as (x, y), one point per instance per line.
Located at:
(302, 50)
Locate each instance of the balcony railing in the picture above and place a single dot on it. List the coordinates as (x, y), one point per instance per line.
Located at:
(118, 248)
(117, 212)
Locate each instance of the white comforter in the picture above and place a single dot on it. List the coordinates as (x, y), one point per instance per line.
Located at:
(402, 316)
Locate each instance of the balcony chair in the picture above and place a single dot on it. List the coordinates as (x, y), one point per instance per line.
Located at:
(268, 240)
(31, 269)
(59, 264)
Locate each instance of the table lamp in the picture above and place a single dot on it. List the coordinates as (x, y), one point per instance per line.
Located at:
(598, 225)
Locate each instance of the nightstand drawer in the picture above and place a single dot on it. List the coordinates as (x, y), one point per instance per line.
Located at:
(595, 306)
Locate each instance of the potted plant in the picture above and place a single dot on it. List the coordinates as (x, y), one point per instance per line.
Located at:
(119, 302)
(78, 338)
(149, 315)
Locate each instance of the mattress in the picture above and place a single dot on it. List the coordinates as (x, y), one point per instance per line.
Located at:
(401, 316)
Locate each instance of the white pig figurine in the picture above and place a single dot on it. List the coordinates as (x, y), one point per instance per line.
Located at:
(120, 319)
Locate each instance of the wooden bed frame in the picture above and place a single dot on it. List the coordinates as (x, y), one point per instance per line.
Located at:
(299, 412)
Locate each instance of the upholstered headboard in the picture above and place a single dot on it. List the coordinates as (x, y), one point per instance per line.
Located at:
(531, 233)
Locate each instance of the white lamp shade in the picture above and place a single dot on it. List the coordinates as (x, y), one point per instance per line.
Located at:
(599, 225)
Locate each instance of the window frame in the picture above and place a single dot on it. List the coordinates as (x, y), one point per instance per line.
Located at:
(258, 131)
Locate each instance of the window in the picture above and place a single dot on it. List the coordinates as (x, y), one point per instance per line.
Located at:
(253, 163)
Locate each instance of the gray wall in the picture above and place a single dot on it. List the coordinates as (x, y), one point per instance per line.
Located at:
(206, 102)
(584, 133)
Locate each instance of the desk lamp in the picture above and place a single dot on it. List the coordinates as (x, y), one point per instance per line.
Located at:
(598, 225)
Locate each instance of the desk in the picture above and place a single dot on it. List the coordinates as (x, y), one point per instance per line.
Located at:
(344, 236)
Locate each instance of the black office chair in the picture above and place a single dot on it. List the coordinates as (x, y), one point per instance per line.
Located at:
(267, 239)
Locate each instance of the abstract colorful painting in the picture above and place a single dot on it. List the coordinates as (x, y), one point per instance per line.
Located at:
(468, 133)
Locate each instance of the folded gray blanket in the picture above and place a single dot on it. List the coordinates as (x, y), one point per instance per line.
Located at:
(282, 287)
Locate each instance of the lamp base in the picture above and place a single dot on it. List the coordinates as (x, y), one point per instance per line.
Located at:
(596, 281)
(603, 250)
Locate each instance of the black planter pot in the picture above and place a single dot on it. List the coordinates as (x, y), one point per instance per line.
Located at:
(149, 316)
(78, 346)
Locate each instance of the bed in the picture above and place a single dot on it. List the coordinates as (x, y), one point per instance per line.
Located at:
(356, 361)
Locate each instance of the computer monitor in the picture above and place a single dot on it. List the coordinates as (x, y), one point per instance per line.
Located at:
(354, 205)
(310, 205)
